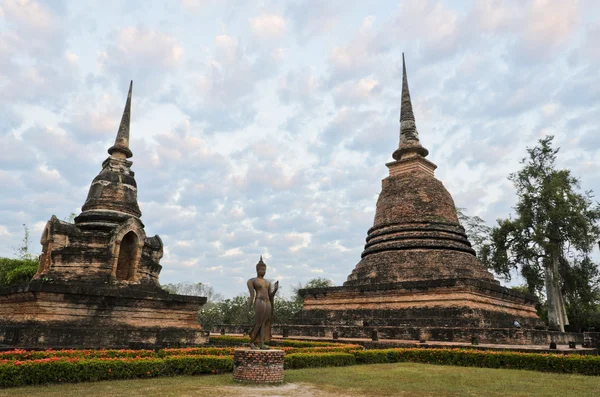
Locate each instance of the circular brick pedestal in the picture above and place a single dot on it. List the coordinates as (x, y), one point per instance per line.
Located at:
(258, 366)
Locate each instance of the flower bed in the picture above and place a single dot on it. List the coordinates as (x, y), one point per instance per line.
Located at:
(19, 367)
(20, 354)
(68, 369)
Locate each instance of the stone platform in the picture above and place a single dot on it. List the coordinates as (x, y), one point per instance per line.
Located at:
(258, 366)
(86, 315)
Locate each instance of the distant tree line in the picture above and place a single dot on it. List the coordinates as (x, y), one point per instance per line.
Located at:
(235, 310)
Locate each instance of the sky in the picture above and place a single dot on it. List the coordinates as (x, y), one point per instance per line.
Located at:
(263, 127)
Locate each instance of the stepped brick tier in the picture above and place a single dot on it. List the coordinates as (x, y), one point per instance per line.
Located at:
(258, 366)
(97, 282)
(418, 272)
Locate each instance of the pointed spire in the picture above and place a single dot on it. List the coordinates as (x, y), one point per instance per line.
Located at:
(406, 111)
(409, 137)
(122, 142)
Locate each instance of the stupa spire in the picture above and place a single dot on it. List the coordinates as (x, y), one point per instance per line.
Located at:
(122, 141)
(409, 136)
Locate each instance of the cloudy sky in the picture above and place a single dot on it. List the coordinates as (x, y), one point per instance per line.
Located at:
(264, 127)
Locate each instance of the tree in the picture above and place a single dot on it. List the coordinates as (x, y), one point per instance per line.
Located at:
(476, 229)
(581, 281)
(17, 271)
(318, 282)
(194, 289)
(554, 222)
(22, 251)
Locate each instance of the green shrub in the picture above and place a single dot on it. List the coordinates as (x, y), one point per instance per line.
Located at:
(314, 360)
(572, 364)
(60, 369)
(20, 354)
(20, 367)
(228, 340)
(17, 271)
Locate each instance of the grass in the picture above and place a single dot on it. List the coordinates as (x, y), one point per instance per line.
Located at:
(405, 379)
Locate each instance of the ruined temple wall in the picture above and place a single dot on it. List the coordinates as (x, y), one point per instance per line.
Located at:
(131, 307)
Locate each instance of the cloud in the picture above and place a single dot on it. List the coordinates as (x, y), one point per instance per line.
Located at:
(131, 52)
(264, 129)
(268, 26)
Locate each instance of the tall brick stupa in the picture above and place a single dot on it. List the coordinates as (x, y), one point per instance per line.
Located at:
(97, 283)
(418, 277)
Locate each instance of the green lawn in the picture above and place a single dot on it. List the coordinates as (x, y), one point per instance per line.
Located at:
(405, 379)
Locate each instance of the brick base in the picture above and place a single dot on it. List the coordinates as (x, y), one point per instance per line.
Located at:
(258, 366)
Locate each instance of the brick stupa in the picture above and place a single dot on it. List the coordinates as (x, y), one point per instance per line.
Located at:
(97, 283)
(418, 277)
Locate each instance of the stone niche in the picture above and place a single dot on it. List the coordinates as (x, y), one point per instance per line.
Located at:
(97, 283)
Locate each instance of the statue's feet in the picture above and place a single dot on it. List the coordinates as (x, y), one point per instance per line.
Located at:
(253, 346)
(265, 347)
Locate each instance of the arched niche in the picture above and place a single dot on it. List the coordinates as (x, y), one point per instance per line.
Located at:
(127, 243)
(127, 259)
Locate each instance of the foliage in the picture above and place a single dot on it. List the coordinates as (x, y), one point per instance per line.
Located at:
(555, 227)
(319, 282)
(61, 369)
(194, 289)
(315, 360)
(285, 310)
(476, 229)
(571, 364)
(17, 271)
(19, 368)
(210, 314)
(22, 251)
(581, 281)
(20, 354)
(235, 311)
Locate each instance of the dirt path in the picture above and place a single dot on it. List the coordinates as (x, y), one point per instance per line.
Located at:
(287, 390)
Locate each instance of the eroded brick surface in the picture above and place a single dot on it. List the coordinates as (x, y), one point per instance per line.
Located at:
(417, 270)
(100, 272)
(258, 366)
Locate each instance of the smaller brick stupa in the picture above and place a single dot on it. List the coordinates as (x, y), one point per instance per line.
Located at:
(418, 277)
(97, 283)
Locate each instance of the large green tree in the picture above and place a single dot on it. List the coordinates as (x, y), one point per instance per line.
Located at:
(553, 232)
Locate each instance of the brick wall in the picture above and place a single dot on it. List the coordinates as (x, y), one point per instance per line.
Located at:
(258, 366)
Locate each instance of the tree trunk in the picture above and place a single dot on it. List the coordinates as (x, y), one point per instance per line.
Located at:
(557, 314)
(562, 310)
(553, 315)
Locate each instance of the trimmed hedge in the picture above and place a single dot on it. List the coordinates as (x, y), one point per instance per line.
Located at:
(315, 360)
(20, 368)
(58, 370)
(20, 354)
(570, 364)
